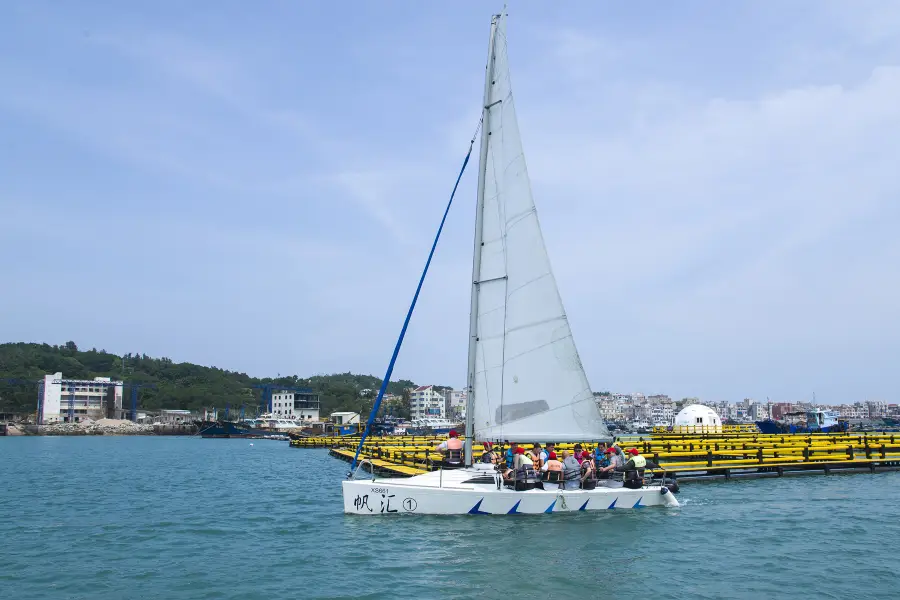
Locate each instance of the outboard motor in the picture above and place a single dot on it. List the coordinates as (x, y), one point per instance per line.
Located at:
(672, 486)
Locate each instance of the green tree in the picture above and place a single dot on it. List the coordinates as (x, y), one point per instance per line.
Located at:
(178, 385)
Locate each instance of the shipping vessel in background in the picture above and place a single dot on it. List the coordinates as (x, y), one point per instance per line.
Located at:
(810, 421)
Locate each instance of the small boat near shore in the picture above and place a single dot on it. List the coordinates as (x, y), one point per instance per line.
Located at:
(230, 429)
(432, 427)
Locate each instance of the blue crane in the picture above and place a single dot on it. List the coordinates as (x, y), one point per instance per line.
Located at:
(268, 388)
(134, 397)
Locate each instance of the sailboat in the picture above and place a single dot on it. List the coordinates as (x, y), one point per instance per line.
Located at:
(525, 379)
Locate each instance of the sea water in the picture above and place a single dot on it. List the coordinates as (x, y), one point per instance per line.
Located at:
(172, 518)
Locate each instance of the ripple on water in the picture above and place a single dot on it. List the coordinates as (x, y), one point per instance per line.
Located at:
(186, 518)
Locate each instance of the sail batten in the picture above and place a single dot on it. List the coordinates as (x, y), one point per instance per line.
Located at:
(527, 380)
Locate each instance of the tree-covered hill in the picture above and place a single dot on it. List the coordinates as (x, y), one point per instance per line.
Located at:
(178, 385)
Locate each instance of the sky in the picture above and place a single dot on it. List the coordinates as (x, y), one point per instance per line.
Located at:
(257, 187)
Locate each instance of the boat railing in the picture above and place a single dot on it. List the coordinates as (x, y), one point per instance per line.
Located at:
(359, 466)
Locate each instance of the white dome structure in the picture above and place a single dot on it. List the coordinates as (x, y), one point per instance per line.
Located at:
(698, 418)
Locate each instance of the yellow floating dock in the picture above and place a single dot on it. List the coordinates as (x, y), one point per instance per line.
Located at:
(685, 455)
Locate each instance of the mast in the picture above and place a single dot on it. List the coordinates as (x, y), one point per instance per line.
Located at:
(476, 254)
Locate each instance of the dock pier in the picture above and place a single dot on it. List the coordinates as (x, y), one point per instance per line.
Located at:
(686, 456)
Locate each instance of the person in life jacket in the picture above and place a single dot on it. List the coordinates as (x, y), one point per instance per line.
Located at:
(577, 453)
(489, 456)
(522, 459)
(551, 447)
(554, 472)
(634, 469)
(452, 449)
(535, 453)
(607, 464)
(543, 454)
(526, 477)
(587, 466)
(511, 454)
(599, 454)
(571, 471)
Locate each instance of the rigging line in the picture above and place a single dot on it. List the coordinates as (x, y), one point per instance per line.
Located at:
(412, 306)
(477, 129)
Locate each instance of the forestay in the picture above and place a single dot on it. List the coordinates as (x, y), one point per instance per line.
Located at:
(528, 381)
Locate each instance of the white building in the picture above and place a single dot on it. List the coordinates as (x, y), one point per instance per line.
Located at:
(697, 417)
(609, 410)
(426, 403)
(344, 418)
(662, 413)
(303, 406)
(96, 398)
(876, 409)
(857, 410)
(455, 407)
(759, 412)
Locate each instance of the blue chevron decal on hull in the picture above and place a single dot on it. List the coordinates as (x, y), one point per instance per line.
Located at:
(613, 505)
(514, 509)
(638, 503)
(584, 506)
(476, 510)
(550, 508)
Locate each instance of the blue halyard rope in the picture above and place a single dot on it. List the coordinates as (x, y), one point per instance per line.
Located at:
(390, 369)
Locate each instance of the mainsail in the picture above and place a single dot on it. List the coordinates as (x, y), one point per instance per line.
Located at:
(526, 378)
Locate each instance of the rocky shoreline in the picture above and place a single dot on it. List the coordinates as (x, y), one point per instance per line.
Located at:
(99, 427)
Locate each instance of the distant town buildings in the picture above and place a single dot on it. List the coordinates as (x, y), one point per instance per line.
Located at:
(653, 410)
(660, 410)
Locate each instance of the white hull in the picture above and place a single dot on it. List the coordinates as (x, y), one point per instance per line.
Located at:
(451, 492)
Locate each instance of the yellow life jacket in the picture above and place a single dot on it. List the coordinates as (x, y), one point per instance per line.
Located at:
(639, 461)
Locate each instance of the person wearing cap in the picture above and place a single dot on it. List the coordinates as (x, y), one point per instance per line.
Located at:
(452, 449)
(522, 459)
(490, 457)
(609, 463)
(526, 477)
(587, 467)
(553, 469)
(634, 469)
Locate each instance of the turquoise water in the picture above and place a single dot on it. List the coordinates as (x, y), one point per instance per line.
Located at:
(145, 517)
